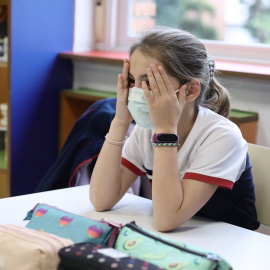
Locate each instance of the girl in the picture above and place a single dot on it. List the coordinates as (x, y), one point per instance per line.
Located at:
(194, 157)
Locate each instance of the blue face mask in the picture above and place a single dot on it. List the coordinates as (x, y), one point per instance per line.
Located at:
(137, 106)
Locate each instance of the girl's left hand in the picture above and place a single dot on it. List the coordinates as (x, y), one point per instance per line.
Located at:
(165, 107)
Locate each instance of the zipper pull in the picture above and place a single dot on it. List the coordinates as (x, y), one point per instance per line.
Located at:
(213, 257)
(118, 225)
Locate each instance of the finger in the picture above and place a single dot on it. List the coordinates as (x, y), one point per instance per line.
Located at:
(168, 84)
(125, 73)
(159, 80)
(152, 82)
(120, 83)
(147, 92)
(121, 91)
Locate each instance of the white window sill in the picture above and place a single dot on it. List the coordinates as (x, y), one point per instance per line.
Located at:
(230, 68)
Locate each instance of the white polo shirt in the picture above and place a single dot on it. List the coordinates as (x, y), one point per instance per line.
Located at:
(214, 151)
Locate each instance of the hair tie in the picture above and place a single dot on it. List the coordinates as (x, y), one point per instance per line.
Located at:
(212, 68)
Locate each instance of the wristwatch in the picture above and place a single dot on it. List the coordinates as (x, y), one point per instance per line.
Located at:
(165, 138)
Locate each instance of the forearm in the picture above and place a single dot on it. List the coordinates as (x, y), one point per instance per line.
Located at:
(106, 177)
(167, 188)
(175, 201)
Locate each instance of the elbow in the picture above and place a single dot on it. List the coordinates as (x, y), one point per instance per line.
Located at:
(97, 204)
(164, 228)
(99, 207)
(163, 225)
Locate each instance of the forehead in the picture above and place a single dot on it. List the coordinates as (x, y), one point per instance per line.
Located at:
(140, 62)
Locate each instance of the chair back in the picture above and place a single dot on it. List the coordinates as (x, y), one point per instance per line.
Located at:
(260, 160)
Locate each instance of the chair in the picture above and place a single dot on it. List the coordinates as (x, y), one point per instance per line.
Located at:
(260, 160)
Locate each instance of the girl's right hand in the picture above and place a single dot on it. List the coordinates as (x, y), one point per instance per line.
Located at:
(123, 115)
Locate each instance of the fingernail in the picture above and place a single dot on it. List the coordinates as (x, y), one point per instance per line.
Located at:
(160, 68)
(148, 70)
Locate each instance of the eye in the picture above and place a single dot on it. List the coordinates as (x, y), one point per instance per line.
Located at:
(131, 82)
(148, 85)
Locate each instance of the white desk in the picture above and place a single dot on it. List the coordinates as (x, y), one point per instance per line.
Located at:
(244, 249)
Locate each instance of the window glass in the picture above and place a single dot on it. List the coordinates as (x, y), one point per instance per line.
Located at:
(231, 21)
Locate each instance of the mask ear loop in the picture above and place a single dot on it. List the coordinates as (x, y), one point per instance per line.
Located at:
(179, 90)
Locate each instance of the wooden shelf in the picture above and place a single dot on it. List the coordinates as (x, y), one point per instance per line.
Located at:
(88, 94)
(73, 103)
(4, 2)
(4, 182)
(3, 162)
(257, 71)
(247, 122)
(3, 64)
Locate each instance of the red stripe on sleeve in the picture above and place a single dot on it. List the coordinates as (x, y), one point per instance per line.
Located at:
(132, 167)
(222, 183)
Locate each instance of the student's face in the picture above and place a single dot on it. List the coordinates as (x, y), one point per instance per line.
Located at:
(139, 63)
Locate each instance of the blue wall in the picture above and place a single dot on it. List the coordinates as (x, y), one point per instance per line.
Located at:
(39, 31)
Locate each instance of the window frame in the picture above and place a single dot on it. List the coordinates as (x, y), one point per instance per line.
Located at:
(116, 23)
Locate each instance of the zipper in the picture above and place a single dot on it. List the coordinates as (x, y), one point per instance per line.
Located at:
(116, 230)
(113, 237)
(103, 220)
(210, 256)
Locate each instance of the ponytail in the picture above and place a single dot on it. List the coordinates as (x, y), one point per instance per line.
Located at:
(216, 98)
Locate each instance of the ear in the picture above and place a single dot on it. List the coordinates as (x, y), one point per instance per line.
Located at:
(193, 90)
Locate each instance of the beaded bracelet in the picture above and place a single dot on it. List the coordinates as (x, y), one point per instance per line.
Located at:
(166, 144)
(114, 142)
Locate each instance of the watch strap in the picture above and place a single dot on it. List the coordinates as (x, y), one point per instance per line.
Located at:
(165, 138)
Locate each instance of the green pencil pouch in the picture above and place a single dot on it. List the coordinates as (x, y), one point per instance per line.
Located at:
(71, 226)
(164, 252)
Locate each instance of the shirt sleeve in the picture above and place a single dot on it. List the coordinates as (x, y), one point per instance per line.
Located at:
(131, 154)
(220, 159)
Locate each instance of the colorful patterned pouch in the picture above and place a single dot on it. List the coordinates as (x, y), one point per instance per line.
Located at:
(164, 252)
(71, 226)
(85, 256)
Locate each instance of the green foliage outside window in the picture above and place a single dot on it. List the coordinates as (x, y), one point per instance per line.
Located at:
(258, 22)
(187, 15)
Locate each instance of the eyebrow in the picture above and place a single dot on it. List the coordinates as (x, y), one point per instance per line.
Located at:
(142, 76)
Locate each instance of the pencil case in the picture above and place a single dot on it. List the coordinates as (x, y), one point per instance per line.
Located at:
(85, 256)
(23, 248)
(164, 252)
(77, 228)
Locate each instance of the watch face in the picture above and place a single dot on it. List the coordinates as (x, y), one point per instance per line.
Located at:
(167, 137)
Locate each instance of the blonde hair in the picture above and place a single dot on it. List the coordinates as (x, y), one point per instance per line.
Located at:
(184, 57)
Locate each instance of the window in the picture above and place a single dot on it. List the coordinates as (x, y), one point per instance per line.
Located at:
(230, 29)
(232, 21)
